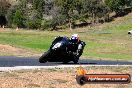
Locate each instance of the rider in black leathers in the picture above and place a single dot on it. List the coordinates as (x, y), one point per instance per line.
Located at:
(76, 45)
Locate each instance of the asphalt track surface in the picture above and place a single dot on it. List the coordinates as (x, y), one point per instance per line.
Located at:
(16, 63)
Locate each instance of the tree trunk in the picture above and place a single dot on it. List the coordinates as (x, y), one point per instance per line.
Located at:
(70, 24)
(3, 26)
(93, 18)
(17, 29)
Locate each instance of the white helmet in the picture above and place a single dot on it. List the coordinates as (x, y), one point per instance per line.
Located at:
(75, 38)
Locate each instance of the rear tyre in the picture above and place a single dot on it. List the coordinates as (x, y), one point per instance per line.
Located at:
(65, 62)
(75, 60)
(43, 58)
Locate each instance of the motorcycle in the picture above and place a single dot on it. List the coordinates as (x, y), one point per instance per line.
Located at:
(62, 50)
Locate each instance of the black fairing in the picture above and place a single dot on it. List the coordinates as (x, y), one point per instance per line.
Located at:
(60, 53)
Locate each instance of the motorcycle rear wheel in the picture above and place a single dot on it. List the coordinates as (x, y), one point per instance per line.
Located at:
(66, 62)
(75, 60)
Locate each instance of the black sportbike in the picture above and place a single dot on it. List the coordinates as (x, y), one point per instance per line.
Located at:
(63, 50)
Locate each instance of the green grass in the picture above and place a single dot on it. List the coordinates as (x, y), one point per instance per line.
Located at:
(110, 41)
(24, 39)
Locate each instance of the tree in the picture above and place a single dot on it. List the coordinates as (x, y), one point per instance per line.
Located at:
(129, 3)
(4, 6)
(94, 9)
(57, 21)
(116, 5)
(68, 7)
(38, 6)
(34, 24)
(16, 14)
(18, 18)
(102, 11)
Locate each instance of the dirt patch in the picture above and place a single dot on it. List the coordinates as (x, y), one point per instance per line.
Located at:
(9, 50)
(57, 78)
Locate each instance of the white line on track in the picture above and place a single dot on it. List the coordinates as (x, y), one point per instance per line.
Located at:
(58, 66)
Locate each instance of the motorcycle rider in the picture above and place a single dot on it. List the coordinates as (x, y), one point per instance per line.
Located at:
(77, 44)
(64, 49)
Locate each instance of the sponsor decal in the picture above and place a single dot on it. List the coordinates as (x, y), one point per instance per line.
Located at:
(82, 77)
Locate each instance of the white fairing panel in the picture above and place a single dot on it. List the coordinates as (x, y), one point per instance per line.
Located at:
(79, 46)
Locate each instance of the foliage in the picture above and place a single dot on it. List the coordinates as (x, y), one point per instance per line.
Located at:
(53, 13)
(10, 14)
(70, 9)
(34, 24)
(4, 6)
(58, 20)
(94, 9)
(18, 18)
(38, 6)
(129, 3)
(115, 5)
(46, 24)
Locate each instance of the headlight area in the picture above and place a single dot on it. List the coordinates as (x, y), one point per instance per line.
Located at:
(57, 45)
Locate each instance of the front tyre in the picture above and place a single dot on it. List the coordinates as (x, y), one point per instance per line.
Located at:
(43, 58)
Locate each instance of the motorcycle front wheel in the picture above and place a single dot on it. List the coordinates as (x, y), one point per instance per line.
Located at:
(43, 58)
